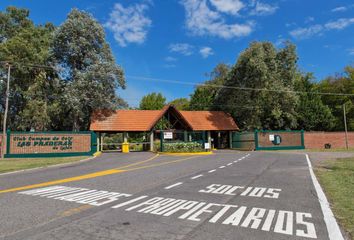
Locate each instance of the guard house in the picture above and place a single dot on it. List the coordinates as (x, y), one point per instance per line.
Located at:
(217, 125)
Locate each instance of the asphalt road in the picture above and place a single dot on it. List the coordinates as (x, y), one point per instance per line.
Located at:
(227, 195)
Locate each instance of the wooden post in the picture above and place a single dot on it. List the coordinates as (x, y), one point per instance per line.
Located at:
(345, 127)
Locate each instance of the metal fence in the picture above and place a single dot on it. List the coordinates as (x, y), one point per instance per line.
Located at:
(268, 140)
(243, 140)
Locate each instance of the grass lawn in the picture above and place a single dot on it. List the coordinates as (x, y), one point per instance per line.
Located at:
(337, 180)
(15, 164)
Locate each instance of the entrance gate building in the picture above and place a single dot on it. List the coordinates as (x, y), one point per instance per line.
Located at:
(216, 125)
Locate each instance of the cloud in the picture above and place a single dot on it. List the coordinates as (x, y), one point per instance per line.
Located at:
(351, 51)
(318, 29)
(302, 33)
(206, 52)
(202, 21)
(339, 9)
(339, 24)
(309, 19)
(129, 24)
(170, 59)
(169, 65)
(228, 6)
(262, 9)
(182, 48)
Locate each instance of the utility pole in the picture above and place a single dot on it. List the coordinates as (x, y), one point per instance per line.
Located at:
(6, 110)
(345, 126)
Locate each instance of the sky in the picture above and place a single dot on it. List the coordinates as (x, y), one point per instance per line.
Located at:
(183, 40)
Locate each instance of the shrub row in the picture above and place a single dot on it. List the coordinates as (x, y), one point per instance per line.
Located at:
(183, 147)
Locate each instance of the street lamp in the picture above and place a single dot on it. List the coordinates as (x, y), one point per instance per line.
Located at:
(6, 110)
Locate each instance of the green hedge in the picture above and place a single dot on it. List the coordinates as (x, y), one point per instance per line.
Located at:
(183, 147)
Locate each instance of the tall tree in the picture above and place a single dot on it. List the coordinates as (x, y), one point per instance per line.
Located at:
(203, 96)
(312, 114)
(26, 47)
(89, 71)
(262, 66)
(152, 101)
(180, 103)
(341, 83)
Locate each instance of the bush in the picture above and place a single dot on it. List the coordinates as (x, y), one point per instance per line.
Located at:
(183, 147)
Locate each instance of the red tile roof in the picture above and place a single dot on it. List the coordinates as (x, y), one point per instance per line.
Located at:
(145, 120)
(209, 120)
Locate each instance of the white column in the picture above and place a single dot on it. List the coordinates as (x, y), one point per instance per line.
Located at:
(125, 137)
(101, 141)
(98, 141)
(209, 138)
(152, 141)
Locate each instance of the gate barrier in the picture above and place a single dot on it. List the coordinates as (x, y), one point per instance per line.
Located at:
(268, 140)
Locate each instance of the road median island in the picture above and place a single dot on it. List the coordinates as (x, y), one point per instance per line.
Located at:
(337, 179)
(18, 164)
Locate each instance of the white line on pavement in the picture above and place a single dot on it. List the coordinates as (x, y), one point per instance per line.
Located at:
(221, 166)
(174, 185)
(333, 230)
(198, 176)
(212, 170)
(229, 164)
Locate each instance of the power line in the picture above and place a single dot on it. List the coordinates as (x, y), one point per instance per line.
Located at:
(29, 65)
(237, 88)
(198, 84)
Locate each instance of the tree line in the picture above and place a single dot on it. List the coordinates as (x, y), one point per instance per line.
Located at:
(61, 74)
(265, 89)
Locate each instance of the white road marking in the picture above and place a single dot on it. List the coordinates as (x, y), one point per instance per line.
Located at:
(198, 176)
(249, 191)
(269, 220)
(333, 230)
(129, 202)
(229, 164)
(174, 185)
(236, 161)
(243, 216)
(221, 166)
(212, 170)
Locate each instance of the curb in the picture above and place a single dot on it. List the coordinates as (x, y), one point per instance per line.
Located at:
(185, 154)
(97, 154)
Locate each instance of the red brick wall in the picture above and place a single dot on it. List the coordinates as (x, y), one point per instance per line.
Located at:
(336, 139)
(26, 143)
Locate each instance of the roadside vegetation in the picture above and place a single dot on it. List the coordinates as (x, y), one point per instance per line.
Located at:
(61, 74)
(337, 180)
(16, 164)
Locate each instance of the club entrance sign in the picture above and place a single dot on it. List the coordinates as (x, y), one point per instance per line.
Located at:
(50, 144)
